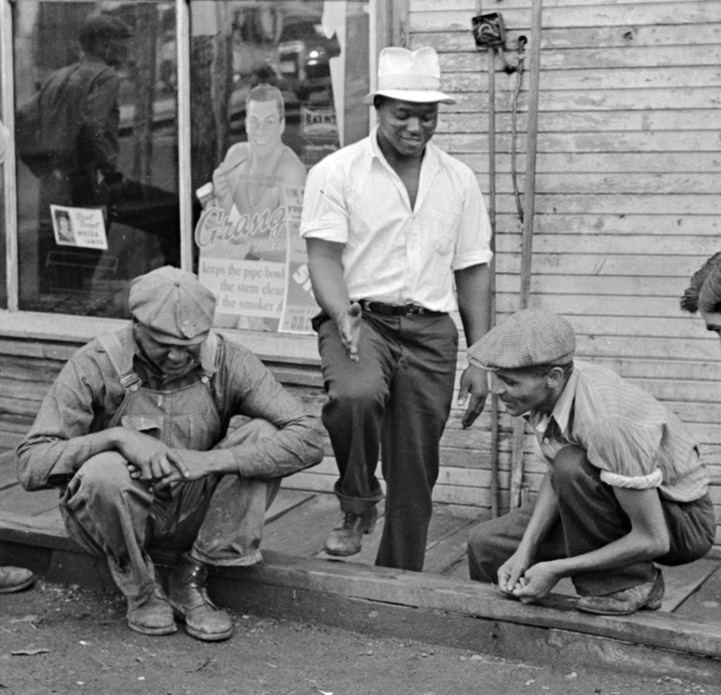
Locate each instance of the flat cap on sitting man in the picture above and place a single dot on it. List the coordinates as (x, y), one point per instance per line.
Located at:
(136, 432)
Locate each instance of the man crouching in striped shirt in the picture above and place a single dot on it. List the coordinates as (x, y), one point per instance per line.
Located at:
(625, 487)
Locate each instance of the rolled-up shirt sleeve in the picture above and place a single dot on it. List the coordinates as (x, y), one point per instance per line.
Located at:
(473, 245)
(627, 454)
(325, 212)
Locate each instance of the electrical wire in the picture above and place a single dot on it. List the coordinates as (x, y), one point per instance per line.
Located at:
(514, 126)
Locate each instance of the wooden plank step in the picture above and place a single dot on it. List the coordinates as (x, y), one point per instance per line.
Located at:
(302, 530)
(284, 501)
(471, 613)
(459, 570)
(682, 581)
(443, 555)
(704, 604)
(440, 551)
(15, 499)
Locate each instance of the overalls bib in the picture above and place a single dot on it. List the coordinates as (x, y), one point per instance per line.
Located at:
(219, 518)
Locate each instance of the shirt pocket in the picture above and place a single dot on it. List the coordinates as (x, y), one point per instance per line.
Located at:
(152, 426)
(444, 227)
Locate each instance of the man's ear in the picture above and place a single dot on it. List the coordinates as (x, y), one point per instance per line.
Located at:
(556, 376)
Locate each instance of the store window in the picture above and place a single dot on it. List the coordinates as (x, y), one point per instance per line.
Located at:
(275, 87)
(101, 183)
(96, 140)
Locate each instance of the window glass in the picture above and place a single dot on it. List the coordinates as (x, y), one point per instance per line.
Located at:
(275, 87)
(96, 139)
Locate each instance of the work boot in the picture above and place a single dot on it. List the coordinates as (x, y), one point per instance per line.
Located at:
(346, 538)
(189, 599)
(15, 579)
(151, 615)
(647, 596)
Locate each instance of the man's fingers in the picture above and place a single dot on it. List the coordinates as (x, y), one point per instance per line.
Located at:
(177, 461)
(463, 394)
(474, 410)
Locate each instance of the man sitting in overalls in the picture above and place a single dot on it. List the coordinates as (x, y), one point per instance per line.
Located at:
(135, 433)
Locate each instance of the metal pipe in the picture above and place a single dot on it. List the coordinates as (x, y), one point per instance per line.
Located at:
(528, 219)
(529, 197)
(492, 217)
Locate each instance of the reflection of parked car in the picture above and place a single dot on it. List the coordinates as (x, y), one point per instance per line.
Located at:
(304, 53)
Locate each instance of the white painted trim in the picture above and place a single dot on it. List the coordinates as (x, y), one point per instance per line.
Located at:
(185, 186)
(280, 347)
(9, 181)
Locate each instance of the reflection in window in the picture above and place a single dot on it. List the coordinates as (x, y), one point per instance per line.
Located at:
(275, 87)
(96, 138)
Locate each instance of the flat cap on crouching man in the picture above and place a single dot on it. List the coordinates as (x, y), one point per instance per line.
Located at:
(625, 487)
(136, 432)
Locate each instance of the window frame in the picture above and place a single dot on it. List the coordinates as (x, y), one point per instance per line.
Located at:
(388, 22)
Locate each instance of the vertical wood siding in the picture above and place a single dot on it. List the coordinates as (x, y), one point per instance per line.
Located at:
(628, 193)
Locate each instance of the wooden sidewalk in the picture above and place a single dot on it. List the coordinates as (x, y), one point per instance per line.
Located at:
(686, 632)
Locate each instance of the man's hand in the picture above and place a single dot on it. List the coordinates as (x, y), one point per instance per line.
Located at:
(188, 464)
(511, 571)
(349, 327)
(474, 382)
(148, 459)
(536, 582)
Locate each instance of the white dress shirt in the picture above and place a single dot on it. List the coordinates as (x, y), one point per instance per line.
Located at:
(394, 253)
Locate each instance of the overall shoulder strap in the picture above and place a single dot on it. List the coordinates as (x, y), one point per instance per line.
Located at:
(209, 355)
(118, 346)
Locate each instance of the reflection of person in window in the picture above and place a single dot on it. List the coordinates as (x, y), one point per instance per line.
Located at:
(74, 122)
(64, 230)
(253, 177)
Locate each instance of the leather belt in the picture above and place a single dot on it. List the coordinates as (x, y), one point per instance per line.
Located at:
(396, 309)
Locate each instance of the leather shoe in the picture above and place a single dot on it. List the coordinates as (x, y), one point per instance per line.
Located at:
(151, 615)
(646, 596)
(346, 538)
(188, 597)
(15, 579)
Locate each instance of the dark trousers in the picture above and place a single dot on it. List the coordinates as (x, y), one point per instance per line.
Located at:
(218, 519)
(394, 401)
(590, 518)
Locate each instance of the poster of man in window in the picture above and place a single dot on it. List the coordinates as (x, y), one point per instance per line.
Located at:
(292, 86)
(79, 227)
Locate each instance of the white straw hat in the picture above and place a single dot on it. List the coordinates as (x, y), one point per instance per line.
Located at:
(409, 76)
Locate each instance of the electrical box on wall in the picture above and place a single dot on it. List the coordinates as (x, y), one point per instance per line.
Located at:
(489, 30)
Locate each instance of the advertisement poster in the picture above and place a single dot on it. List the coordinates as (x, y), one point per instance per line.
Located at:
(299, 306)
(291, 99)
(79, 227)
(248, 232)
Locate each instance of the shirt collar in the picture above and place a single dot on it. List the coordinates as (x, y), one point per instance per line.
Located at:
(561, 411)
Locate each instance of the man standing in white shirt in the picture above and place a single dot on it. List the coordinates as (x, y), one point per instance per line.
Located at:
(392, 224)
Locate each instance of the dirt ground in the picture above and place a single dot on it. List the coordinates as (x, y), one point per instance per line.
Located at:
(56, 639)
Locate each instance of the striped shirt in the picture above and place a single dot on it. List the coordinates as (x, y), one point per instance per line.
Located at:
(633, 439)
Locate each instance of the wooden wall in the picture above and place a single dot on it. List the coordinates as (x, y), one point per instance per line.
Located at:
(628, 184)
(628, 205)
